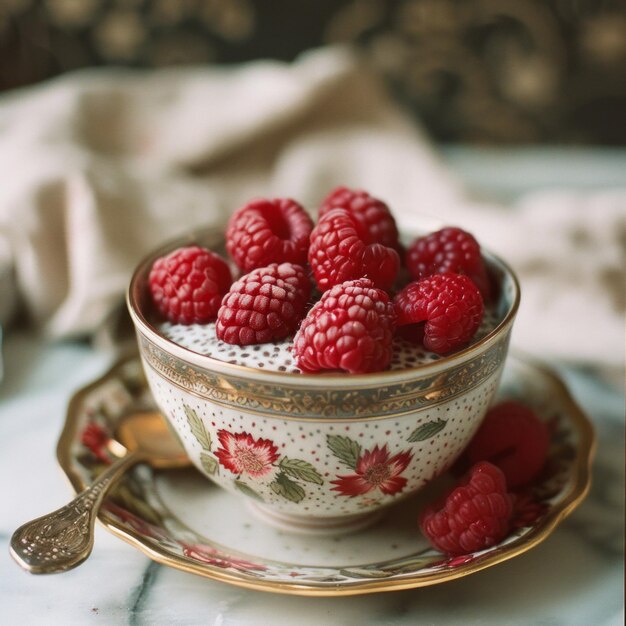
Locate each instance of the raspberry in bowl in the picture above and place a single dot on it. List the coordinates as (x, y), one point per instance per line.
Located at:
(323, 405)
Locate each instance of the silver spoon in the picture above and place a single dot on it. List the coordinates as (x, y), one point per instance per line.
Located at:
(63, 539)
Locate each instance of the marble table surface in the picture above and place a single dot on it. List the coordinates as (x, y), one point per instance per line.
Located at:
(575, 577)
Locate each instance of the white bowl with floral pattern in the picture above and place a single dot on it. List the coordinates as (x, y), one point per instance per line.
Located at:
(320, 452)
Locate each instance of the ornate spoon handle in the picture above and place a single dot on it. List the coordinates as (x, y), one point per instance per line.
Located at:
(63, 539)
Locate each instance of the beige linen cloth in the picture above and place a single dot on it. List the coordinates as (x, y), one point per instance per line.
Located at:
(99, 167)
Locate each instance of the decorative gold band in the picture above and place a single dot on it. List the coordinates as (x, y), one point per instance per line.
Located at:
(308, 402)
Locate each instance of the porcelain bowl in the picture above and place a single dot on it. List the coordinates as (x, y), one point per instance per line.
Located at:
(321, 452)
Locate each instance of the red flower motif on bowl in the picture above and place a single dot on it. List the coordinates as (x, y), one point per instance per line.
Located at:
(240, 453)
(375, 469)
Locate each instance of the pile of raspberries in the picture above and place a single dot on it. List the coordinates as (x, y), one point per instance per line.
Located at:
(505, 457)
(370, 287)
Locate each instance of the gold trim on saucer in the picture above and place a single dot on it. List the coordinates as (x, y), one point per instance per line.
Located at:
(577, 489)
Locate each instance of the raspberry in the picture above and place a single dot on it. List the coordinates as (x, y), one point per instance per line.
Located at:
(265, 305)
(475, 515)
(448, 250)
(350, 328)
(513, 438)
(268, 231)
(374, 221)
(338, 253)
(188, 284)
(450, 305)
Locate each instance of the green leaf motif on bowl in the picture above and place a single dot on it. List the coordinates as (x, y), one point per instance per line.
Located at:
(283, 486)
(427, 431)
(301, 469)
(345, 449)
(209, 463)
(247, 490)
(197, 428)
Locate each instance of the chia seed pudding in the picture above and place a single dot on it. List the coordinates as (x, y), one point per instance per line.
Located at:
(277, 357)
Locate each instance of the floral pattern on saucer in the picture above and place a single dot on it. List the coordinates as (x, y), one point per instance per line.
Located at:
(139, 511)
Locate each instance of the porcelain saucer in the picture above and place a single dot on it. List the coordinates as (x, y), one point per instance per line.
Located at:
(178, 519)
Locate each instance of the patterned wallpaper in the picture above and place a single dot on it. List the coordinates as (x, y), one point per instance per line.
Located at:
(498, 71)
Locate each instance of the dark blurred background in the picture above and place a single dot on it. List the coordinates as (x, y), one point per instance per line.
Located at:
(489, 71)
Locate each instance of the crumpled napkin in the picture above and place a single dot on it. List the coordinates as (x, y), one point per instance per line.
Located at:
(103, 165)
(569, 251)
